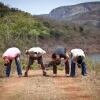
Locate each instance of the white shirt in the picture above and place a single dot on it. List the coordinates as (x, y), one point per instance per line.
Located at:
(37, 50)
(77, 52)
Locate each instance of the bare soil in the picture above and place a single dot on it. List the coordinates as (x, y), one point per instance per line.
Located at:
(38, 87)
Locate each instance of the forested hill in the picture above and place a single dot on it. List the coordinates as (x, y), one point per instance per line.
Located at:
(18, 28)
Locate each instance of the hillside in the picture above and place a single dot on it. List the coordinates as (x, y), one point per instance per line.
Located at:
(80, 13)
(84, 18)
(18, 28)
(68, 12)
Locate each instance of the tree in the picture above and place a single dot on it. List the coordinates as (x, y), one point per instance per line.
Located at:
(35, 33)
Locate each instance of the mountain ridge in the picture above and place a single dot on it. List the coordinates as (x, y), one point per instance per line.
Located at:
(68, 11)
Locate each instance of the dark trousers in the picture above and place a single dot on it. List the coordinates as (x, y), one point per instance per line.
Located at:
(73, 67)
(18, 65)
(31, 61)
(55, 63)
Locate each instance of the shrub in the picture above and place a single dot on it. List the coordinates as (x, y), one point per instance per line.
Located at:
(2, 68)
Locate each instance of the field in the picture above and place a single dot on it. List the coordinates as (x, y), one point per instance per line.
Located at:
(38, 87)
(23, 30)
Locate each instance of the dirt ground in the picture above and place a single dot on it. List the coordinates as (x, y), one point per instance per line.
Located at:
(38, 87)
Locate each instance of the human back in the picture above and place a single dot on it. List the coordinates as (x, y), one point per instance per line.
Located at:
(36, 52)
(77, 52)
(11, 53)
(60, 51)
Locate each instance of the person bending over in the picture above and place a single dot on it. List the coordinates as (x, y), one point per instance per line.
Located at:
(58, 54)
(9, 55)
(77, 57)
(35, 53)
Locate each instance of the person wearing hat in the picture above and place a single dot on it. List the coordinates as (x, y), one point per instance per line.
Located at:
(58, 54)
(9, 55)
(77, 57)
(35, 53)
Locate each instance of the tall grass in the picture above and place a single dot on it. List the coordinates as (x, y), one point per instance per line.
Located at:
(93, 65)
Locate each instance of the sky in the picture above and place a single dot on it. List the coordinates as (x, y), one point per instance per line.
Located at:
(36, 7)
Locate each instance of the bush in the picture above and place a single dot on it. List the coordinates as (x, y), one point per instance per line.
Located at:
(2, 68)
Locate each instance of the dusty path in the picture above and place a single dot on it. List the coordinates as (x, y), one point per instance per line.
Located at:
(38, 87)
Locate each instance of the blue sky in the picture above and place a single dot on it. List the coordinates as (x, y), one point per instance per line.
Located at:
(36, 7)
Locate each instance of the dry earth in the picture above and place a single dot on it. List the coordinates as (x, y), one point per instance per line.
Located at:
(38, 87)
